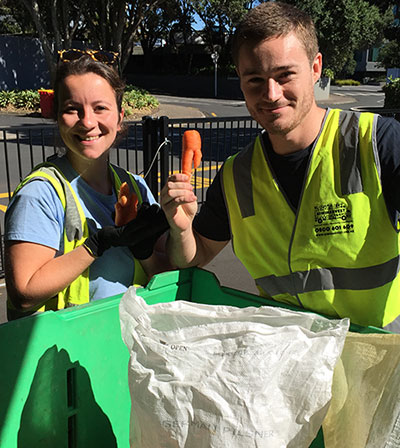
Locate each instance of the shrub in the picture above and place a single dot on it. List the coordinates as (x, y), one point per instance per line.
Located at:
(20, 99)
(6, 97)
(134, 98)
(392, 94)
(27, 99)
(329, 73)
(346, 82)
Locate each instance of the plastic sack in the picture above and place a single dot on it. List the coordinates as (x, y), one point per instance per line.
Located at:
(365, 405)
(220, 376)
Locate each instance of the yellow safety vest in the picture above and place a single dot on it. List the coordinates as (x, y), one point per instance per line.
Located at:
(338, 254)
(75, 233)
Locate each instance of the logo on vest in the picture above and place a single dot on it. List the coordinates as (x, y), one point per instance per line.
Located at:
(332, 219)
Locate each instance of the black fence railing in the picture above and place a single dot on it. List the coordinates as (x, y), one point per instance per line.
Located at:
(151, 147)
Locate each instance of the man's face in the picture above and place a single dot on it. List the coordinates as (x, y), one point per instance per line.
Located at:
(277, 81)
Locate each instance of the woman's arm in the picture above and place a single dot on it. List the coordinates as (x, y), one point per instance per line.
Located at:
(34, 275)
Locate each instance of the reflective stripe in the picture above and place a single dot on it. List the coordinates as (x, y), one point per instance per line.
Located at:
(73, 221)
(375, 146)
(243, 181)
(76, 230)
(331, 278)
(394, 326)
(121, 176)
(349, 153)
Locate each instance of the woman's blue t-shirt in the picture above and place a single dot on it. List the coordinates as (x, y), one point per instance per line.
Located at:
(36, 215)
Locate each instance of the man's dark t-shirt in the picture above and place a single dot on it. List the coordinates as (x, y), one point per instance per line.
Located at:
(290, 170)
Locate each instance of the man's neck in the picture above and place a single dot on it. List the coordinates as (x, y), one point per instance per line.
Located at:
(300, 137)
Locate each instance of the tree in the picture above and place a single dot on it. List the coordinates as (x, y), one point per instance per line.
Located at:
(389, 54)
(156, 25)
(343, 26)
(114, 24)
(56, 23)
(14, 20)
(106, 24)
(220, 18)
(181, 25)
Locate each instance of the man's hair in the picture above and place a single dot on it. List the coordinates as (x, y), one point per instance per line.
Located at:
(82, 66)
(274, 19)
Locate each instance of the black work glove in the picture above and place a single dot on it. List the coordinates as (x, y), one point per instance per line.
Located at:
(155, 217)
(139, 235)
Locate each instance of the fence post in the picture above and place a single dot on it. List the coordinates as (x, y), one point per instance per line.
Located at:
(155, 132)
(164, 154)
(149, 150)
(2, 261)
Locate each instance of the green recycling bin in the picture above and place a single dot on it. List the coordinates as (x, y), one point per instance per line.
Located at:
(64, 374)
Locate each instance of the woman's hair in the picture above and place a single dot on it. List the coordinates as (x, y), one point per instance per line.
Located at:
(85, 64)
(274, 19)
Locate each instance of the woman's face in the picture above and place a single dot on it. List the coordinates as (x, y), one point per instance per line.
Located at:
(88, 116)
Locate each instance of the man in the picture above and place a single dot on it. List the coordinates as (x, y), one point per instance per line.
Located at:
(311, 206)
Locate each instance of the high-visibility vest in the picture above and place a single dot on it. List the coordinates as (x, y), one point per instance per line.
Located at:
(75, 233)
(338, 253)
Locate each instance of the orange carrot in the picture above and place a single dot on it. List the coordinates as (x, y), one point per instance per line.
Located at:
(126, 206)
(191, 151)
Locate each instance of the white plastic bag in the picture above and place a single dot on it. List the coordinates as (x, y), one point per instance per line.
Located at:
(365, 406)
(220, 376)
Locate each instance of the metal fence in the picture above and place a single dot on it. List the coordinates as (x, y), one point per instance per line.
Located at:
(151, 147)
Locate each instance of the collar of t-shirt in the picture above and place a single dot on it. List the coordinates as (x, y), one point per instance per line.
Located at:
(289, 170)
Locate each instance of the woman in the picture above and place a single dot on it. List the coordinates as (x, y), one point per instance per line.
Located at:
(62, 247)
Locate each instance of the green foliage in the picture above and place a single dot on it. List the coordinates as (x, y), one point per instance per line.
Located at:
(392, 94)
(343, 26)
(27, 99)
(220, 18)
(14, 19)
(136, 98)
(6, 97)
(389, 54)
(346, 82)
(328, 73)
(20, 99)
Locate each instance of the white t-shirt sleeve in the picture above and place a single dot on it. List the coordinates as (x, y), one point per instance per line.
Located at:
(36, 215)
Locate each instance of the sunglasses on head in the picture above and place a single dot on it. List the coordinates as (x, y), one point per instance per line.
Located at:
(106, 57)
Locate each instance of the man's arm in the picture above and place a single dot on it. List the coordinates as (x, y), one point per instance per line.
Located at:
(185, 246)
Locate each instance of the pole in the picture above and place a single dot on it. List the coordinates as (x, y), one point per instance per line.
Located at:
(214, 57)
(164, 155)
(149, 150)
(215, 79)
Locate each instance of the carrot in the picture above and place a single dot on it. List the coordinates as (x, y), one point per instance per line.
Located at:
(191, 151)
(126, 206)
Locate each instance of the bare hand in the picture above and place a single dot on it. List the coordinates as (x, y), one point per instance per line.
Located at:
(179, 202)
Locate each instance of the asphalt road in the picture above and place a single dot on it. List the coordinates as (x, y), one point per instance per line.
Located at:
(344, 97)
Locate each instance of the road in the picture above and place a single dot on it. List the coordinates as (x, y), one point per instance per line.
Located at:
(343, 97)
(364, 95)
